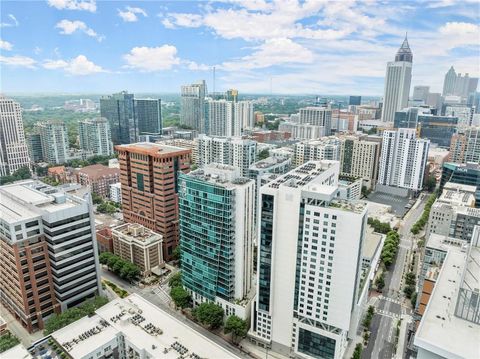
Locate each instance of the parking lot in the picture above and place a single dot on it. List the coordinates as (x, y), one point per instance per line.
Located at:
(396, 202)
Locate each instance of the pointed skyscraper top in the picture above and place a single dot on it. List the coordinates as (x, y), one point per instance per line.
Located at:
(404, 53)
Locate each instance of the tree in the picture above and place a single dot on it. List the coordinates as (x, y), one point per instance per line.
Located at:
(175, 280)
(263, 154)
(176, 253)
(409, 290)
(96, 199)
(410, 278)
(7, 341)
(357, 353)
(413, 299)
(380, 282)
(209, 314)
(431, 183)
(20, 174)
(237, 326)
(366, 336)
(104, 257)
(371, 310)
(180, 297)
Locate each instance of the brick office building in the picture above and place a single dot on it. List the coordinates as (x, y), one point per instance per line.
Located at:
(148, 173)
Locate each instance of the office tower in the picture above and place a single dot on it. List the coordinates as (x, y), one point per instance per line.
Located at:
(34, 142)
(148, 116)
(449, 293)
(220, 117)
(452, 214)
(464, 85)
(467, 173)
(403, 159)
(326, 148)
(449, 82)
(49, 238)
(54, 139)
(464, 114)
(141, 246)
(435, 100)
(148, 173)
(243, 117)
(317, 116)
(118, 109)
(98, 178)
(231, 95)
(95, 136)
(233, 151)
(438, 129)
(13, 146)
(355, 100)
(217, 245)
(420, 93)
(397, 82)
(408, 117)
(473, 101)
(192, 106)
(359, 158)
(309, 263)
(465, 146)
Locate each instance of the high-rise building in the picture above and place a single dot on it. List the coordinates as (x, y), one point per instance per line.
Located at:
(438, 129)
(435, 100)
(54, 139)
(148, 174)
(233, 151)
(397, 82)
(95, 136)
(220, 118)
(243, 117)
(231, 95)
(309, 290)
(326, 148)
(34, 142)
(49, 239)
(148, 116)
(408, 117)
(465, 146)
(403, 159)
(449, 82)
(317, 116)
(118, 109)
(192, 106)
(217, 245)
(13, 146)
(420, 93)
(463, 113)
(355, 100)
(359, 158)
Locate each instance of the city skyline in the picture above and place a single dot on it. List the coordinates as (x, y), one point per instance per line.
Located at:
(315, 47)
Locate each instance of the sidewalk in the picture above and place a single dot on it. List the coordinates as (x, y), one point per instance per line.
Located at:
(258, 352)
(402, 336)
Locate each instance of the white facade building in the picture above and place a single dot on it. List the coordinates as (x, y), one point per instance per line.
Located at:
(95, 136)
(116, 192)
(54, 139)
(192, 111)
(233, 151)
(220, 118)
(317, 116)
(244, 117)
(13, 145)
(326, 148)
(403, 159)
(309, 264)
(397, 83)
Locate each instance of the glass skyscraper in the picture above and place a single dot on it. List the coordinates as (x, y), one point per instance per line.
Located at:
(468, 174)
(148, 116)
(118, 109)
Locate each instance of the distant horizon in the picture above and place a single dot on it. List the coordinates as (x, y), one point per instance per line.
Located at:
(259, 47)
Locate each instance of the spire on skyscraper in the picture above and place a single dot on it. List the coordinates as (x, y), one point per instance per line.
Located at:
(404, 53)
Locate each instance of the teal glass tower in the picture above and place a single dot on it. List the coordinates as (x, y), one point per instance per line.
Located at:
(216, 208)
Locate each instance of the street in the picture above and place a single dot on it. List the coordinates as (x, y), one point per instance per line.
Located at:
(389, 306)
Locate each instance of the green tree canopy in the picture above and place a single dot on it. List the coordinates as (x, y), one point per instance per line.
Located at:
(180, 297)
(237, 326)
(209, 314)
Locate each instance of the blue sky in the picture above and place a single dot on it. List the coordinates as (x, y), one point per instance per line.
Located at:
(318, 46)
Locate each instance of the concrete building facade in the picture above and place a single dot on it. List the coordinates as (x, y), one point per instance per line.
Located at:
(95, 136)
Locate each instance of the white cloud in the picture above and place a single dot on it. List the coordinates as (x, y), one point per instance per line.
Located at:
(12, 21)
(78, 66)
(175, 20)
(5, 45)
(280, 51)
(68, 27)
(193, 66)
(463, 33)
(130, 13)
(18, 60)
(150, 59)
(86, 5)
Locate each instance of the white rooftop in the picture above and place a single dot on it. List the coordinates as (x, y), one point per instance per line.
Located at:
(440, 331)
(142, 324)
(17, 352)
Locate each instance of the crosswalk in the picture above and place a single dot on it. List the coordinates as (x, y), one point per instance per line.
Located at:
(388, 299)
(387, 314)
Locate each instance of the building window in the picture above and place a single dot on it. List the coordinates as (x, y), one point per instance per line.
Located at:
(315, 345)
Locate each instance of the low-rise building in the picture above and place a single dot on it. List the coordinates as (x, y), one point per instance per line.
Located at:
(126, 328)
(104, 240)
(139, 245)
(98, 178)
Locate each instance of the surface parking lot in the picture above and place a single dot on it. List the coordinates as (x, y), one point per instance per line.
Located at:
(397, 203)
